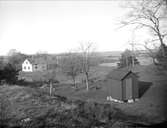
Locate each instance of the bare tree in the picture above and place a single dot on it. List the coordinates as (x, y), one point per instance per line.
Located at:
(71, 66)
(87, 52)
(148, 14)
(151, 48)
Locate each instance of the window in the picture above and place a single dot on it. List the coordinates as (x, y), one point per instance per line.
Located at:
(28, 67)
(25, 67)
(36, 66)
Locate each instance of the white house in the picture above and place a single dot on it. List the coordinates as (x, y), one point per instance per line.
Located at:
(27, 66)
(32, 65)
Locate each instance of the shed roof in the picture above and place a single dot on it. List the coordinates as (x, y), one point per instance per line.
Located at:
(120, 74)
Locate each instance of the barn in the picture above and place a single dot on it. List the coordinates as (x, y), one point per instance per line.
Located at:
(122, 85)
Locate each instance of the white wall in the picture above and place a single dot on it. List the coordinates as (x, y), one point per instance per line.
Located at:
(27, 66)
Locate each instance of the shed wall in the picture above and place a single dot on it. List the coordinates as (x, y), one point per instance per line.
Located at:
(114, 89)
(135, 90)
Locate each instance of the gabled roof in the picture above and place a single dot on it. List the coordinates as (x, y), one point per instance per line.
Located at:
(36, 61)
(119, 74)
(28, 60)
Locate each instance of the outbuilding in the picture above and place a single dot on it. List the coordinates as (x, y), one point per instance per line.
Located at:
(123, 85)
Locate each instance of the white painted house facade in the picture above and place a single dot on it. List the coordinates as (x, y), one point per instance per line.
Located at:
(32, 65)
(27, 66)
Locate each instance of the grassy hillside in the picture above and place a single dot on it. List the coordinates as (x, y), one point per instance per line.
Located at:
(152, 89)
(153, 102)
(26, 102)
(33, 108)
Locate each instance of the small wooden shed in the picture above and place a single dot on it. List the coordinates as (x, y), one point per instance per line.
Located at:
(123, 85)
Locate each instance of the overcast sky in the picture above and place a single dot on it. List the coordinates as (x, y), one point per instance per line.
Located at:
(59, 26)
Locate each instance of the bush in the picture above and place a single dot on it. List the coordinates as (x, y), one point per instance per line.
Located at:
(9, 74)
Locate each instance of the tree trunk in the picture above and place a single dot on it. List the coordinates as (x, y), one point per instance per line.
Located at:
(133, 61)
(87, 82)
(74, 82)
(163, 50)
(51, 86)
(162, 43)
(154, 60)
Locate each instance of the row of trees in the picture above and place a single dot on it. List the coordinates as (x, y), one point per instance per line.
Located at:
(15, 58)
(144, 14)
(79, 62)
(73, 64)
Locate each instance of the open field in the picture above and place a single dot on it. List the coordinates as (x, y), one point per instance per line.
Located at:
(145, 60)
(34, 103)
(151, 104)
(97, 72)
(33, 97)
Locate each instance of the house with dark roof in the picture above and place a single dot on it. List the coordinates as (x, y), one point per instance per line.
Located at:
(122, 85)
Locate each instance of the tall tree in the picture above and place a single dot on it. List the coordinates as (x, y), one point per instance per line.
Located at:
(87, 52)
(16, 58)
(71, 66)
(150, 14)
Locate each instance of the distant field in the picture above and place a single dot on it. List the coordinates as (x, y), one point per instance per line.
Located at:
(97, 72)
(145, 60)
(142, 60)
(109, 64)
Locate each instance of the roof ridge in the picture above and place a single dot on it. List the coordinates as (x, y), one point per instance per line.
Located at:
(119, 74)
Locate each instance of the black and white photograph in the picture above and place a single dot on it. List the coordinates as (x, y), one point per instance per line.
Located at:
(83, 64)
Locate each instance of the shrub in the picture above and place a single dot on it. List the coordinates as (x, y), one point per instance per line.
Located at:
(9, 73)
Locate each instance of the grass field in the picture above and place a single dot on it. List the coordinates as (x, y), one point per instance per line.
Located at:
(97, 72)
(151, 105)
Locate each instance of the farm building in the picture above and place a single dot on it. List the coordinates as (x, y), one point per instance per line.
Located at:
(123, 85)
(30, 65)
